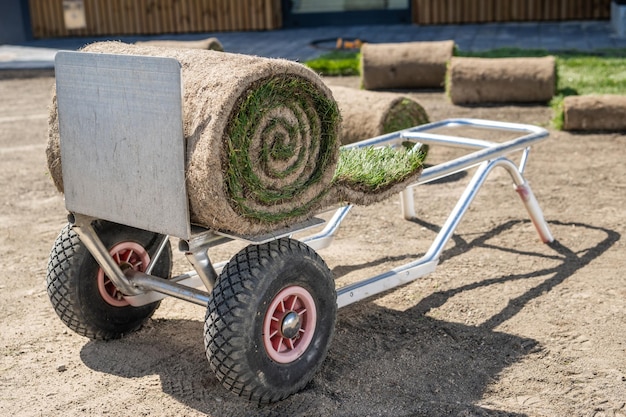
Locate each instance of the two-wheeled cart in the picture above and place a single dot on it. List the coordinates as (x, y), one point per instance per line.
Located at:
(271, 309)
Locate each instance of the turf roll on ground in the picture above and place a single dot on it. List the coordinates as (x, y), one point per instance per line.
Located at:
(501, 80)
(405, 65)
(366, 114)
(595, 112)
(262, 137)
(209, 43)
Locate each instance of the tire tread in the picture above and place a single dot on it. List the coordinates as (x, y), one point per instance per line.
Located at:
(67, 256)
(226, 319)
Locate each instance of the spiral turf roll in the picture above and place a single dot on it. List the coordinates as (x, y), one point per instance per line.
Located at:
(261, 134)
(281, 149)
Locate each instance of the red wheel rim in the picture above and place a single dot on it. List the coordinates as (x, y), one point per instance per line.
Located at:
(126, 255)
(289, 324)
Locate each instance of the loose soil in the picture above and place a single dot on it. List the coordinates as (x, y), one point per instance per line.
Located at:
(506, 325)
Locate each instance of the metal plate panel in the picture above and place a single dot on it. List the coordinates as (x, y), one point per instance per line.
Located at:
(122, 143)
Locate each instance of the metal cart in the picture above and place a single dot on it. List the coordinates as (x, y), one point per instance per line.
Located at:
(271, 309)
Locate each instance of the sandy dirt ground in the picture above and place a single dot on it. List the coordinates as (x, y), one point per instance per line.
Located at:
(506, 325)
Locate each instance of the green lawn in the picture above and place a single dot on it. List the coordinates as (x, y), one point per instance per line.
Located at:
(336, 63)
(601, 72)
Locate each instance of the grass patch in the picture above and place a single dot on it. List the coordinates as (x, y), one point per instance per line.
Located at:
(592, 74)
(504, 53)
(372, 169)
(336, 63)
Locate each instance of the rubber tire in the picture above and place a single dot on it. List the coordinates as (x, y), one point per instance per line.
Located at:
(72, 282)
(234, 321)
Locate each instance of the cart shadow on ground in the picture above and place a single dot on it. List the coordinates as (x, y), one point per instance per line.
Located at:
(381, 362)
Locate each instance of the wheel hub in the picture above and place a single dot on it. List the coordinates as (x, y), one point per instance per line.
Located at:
(291, 325)
(127, 255)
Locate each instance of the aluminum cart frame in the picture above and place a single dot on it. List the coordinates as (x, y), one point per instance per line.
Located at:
(107, 103)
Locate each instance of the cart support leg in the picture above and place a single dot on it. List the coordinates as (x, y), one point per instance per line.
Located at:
(534, 211)
(470, 193)
(528, 198)
(521, 187)
(157, 254)
(199, 259)
(407, 203)
(89, 237)
(324, 238)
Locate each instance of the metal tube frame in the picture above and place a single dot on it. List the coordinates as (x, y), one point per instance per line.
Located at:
(143, 288)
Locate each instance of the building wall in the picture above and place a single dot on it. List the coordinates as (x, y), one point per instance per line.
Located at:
(45, 18)
(13, 22)
(427, 12)
(153, 17)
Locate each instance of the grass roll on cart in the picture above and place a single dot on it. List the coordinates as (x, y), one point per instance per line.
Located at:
(270, 309)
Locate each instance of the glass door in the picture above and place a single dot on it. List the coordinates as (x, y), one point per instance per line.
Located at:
(344, 12)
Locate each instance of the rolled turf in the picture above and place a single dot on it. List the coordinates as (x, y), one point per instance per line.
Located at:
(409, 65)
(210, 43)
(501, 80)
(595, 112)
(262, 137)
(262, 143)
(366, 114)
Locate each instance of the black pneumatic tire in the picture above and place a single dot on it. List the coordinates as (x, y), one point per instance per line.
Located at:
(73, 275)
(260, 286)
